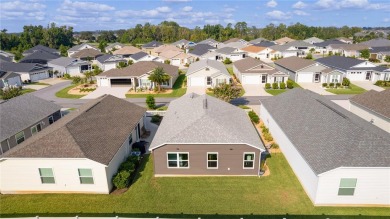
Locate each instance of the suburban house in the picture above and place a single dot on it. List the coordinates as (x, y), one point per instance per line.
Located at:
(80, 47)
(78, 154)
(258, 52)
(254, 71)
(313, 40)
(23, 117)
(374, 107)
(40, 57)
(300, 45)
(148, 47)
(258, 40)
(126, 51)
(283, 40)
(107, 61)
(348, 50)
(136, 75)
(237, 45)
(345, 40)
(231, 53)
(165, 48)
(264, 44)
(40, 48)
(183, 44)
(176, 58)
(9, 79)
(323, 46)
(87, 54)
(380, 42)
(6, 56)
(71, 66)
(210, 42)
(380, 53)
(201, 135)
(27, 71)
(208, 73)
(308, 71)
(339, 158)
(114, 46)
(199, 50)
(355, 69)
(143, 56)
(284, 51)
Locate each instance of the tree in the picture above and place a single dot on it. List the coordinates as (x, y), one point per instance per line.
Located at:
(387, 58)
(150, 102)
(227, 61)
(122, 65)
(64, 50)
(10, 92)
(159, 76)
(365, 53)
(227, 92)
(88, 75)
(309, 56)
(102, 46)
(130, 62)
(312, 50)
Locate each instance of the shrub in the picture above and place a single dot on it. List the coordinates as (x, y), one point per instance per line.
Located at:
(346, 82)
(227, 61)
(268, 137)
(10, 92)
(309, 56)
(128, 166)
(275, 86)
(156, 119)
(267, 86)
(338, 84)
(76, 80)
(290, 84)
(150, 102)
(244, 107)
(121, 179)
(167, 62)
(162, 108)
(67, 76)
(275, 146)
(264, 130)
(324, 84)
(282, 85)
(331, 84)
(254, 117)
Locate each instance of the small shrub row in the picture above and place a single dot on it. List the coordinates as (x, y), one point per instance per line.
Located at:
(122, 178)
(281, 85)
(254, 117)
(382, 83)
(87, 89)
(156, 119)
(331, 85)
(266, 134)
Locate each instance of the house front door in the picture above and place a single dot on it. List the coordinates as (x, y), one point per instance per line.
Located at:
(264, 79)
(368, 75)
(317, 77)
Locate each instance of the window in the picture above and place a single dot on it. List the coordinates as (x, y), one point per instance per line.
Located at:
(212, 160)
(221, 81)
(178, 160)
(35, 129)
(347, 186)
(47, 176)
(249, 160)
(334, 78)
(130, 139)
(209, 80)
(85, 176)
(165, 83)
(19, 137)
(51, 120)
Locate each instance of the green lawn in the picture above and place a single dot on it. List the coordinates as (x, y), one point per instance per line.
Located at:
(230, 70)
(275, 92)
(64, 93)
(205, 197)
(38, 83)
(24, 91)
(178, 90)
(353, 90)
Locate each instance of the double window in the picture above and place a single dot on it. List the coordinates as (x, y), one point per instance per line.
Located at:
(249, 160)
(212, 160)
(35, 129)
(178, 160)
(85, 176)
(47, 176)
(209, 81)
(347, 186)
(19, 137)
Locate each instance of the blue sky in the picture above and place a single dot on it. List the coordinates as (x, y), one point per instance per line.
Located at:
(122, 14)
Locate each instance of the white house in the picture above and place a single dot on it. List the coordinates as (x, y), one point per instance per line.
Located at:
(9, 79)
(143, 57)
(262, 53)
(80, 47)
(208, 73)
(284, 51)
(27, 71)
(231, 53)
(107, 61)
(339, 158)
(77, 154)
(71, 66)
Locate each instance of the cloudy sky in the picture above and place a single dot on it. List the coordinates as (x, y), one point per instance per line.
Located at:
(119, 14)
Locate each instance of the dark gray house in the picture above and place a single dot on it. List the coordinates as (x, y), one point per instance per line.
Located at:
(202, 135)
(40, 57)
(40, 48)
(27, 71)
(24, 116)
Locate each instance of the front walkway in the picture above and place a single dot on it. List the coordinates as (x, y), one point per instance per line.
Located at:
(367, 85)
(119, 92)
(254, 90)
(316, 88)
(149, 126)
(196, 89)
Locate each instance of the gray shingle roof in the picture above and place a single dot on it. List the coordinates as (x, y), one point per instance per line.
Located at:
(138, 55)
(66, 61)
(207, 63)
(5, 58)
(313, 40)
(182, 41)
(39, 56)
(141, 68)
(339, 62)
(377, 42)
(326, 135)
(21, 67)
(200, 49)
(208, 41)
(85, 53)
(152, 44)
(380, 49)
(40, 48)
(254, 66)
(6, 75)
(186, 121)
(77, 47)
(299, 43)
(23, 111)
(258, 40)
(106, 57)
(265, 44)
(95, 131)
(328, 42)
(379, 102)
(226, 50)
(294, 63)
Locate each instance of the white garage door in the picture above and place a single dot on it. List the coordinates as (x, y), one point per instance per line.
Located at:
(305, 78)
(103, 82)
(38, 76)
(251, 79)
(175, 62)
(197, 81)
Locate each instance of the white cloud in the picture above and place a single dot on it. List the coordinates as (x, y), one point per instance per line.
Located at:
(176, 0)
(272, 4)
(187, 8)
(278, 15)
(227, 21)
(164, 9)
(325, 4)
(299, 5)
(22, 10)
(85, 6)
(212, 21)
(301, 13)
(386, 20)
(226, 9)
(356, 4)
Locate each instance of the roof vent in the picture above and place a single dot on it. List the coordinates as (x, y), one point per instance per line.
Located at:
(261, 66)
(207, 69)
(204, 103)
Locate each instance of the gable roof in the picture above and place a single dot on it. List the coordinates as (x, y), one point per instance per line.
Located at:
(200, 49)
(265, 44)
(85, 53)
(77, 47)
(138, 55)
(112, 45)
(255, 66)
(182, 41)
(66, 61)
(152, 44)
(313, 40)
(40, 48)
(377, 42)
(187, 121)
(170, 54)
(339, 62)
(253, 49)
(5, 58)
(22, 112)
(208, 41)
(166, 47)
(282, 48)
(354, 142)
(141, 68)
(294, 63)
(21, 67)
(298, 43)
(126, 50)
(95, 131)
(375, 101)
(328, 42)
(258, 40)
(349, 47)
(380, 49)
(207, 63)
(232, 40)
(284, 40)
(227, 50)
(107, 57)
(237, 45)
(7, 75)
(39, 56)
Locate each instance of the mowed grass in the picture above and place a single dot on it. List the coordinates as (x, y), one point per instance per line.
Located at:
(275, 92)
(280, 193)
(23, 91)
(178, 90)
(354, 89)
(64, 93)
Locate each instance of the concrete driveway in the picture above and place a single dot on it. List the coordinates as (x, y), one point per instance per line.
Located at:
(254, 90)
(315, 87)
(119, 92)
(196, 89)
(367, 85)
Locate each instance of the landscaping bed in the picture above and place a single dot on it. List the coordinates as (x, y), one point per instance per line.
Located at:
(351, 89)
(64, 93)
(82, 89)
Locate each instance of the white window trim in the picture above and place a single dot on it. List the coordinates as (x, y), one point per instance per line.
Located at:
(24, 137)
(243, 160)
(207, 160)
(35, 126)
(78, 174)
(177, 153)
(54, 175)
(354, 188)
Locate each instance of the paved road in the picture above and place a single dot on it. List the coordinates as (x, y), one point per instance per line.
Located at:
(48, 93)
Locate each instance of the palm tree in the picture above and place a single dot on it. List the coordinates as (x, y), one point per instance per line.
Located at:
(159, 76)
